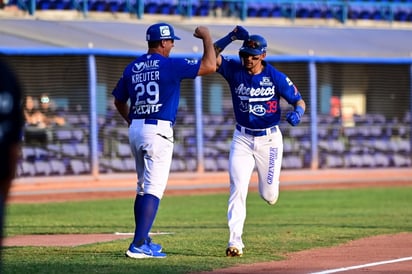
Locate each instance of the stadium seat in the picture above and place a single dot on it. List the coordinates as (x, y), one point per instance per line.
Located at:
(28, 153)
(264, 12)
(276, 12)
(252, 11)
(63, 135)
(123, 150)
(151, 8)
(42, 168)
(44, 5)
(98, 6)
(302, 11)
(202, 10)
(26, 168)
(57, 167)
(82, 150)
(210, 164)
(165, 8)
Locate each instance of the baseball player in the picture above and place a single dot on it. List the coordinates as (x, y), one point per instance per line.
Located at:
(11, 125)
(152, 84)
(256, 88)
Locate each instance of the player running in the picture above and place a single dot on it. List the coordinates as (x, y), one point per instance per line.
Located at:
(256, 88)
(152, 84)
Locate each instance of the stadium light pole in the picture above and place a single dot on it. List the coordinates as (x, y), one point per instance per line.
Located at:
(94, 166)
(313, 112)
(199, 124)
(410, 110)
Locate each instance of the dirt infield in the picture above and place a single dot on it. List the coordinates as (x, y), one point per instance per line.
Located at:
(380, 254)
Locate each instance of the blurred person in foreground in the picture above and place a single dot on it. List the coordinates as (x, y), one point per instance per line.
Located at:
(11, 125)
(152, 84)
(256, 88)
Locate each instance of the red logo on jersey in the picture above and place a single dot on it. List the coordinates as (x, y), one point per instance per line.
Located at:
(296, 90)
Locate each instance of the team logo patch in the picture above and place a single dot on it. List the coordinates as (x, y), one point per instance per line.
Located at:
(191, 61)
(266, 81)
(147, 65)
(164, 31)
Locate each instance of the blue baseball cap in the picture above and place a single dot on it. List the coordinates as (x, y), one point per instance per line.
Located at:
(160, 31)
(254, 45)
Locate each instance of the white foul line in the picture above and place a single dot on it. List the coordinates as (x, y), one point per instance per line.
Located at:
(362, 266)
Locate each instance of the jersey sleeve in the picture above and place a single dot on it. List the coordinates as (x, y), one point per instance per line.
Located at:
(287, 88)
(226, 68)
(185, 68)
(120, 92)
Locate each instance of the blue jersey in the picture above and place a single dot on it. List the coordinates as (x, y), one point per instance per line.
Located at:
(256, 98)
(152, 83)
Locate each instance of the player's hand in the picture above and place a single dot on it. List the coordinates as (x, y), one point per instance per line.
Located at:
(201, 32)
(239, 33)
(295, 116)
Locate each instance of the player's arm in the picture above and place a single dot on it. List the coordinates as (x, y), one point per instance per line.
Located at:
(208, 63)
(123, 109)
(238, 33)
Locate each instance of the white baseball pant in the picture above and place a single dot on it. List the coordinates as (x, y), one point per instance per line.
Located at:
(247, 152)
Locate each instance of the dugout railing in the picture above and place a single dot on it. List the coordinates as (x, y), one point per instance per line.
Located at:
(358, 114)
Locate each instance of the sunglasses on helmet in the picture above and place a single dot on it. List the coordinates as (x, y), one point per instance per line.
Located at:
(246, 56)
(252, 44)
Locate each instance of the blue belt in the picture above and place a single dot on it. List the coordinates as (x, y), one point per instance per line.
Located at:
(150, 121)
(256, 132)
(157, 122)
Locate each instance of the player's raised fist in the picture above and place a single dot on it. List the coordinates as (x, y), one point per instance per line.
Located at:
(239, 33)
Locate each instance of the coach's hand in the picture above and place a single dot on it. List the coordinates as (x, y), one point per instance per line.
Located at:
(201, 32)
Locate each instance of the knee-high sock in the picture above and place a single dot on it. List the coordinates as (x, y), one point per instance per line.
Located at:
(145, 214)
(137, 206)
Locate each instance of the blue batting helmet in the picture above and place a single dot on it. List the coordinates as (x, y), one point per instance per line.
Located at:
(160, 31)
(254, 45)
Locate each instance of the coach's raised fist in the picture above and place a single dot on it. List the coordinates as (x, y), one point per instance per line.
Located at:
(201, 32)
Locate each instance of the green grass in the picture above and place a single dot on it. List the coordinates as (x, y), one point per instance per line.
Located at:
(300, 220)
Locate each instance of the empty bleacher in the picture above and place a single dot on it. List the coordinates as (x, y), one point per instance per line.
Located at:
(385, 10)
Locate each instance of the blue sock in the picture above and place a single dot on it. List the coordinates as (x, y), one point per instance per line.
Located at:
(137, 206)
(145, 214)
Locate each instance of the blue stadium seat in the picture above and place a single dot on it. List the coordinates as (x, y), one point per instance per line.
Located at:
(316, 12)
(151, 8)
(44, 5)
(165, 8)
(98, 6)
(302, 11)
(252, 11)
(264, 12)
(202, 10)
(365, 14)
(276, 12)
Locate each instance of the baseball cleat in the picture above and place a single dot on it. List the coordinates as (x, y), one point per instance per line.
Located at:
(142, 252)
(232, 251)
(153, 246)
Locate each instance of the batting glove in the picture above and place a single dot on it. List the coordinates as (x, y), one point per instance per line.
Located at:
(294, 117)
(238, 33)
